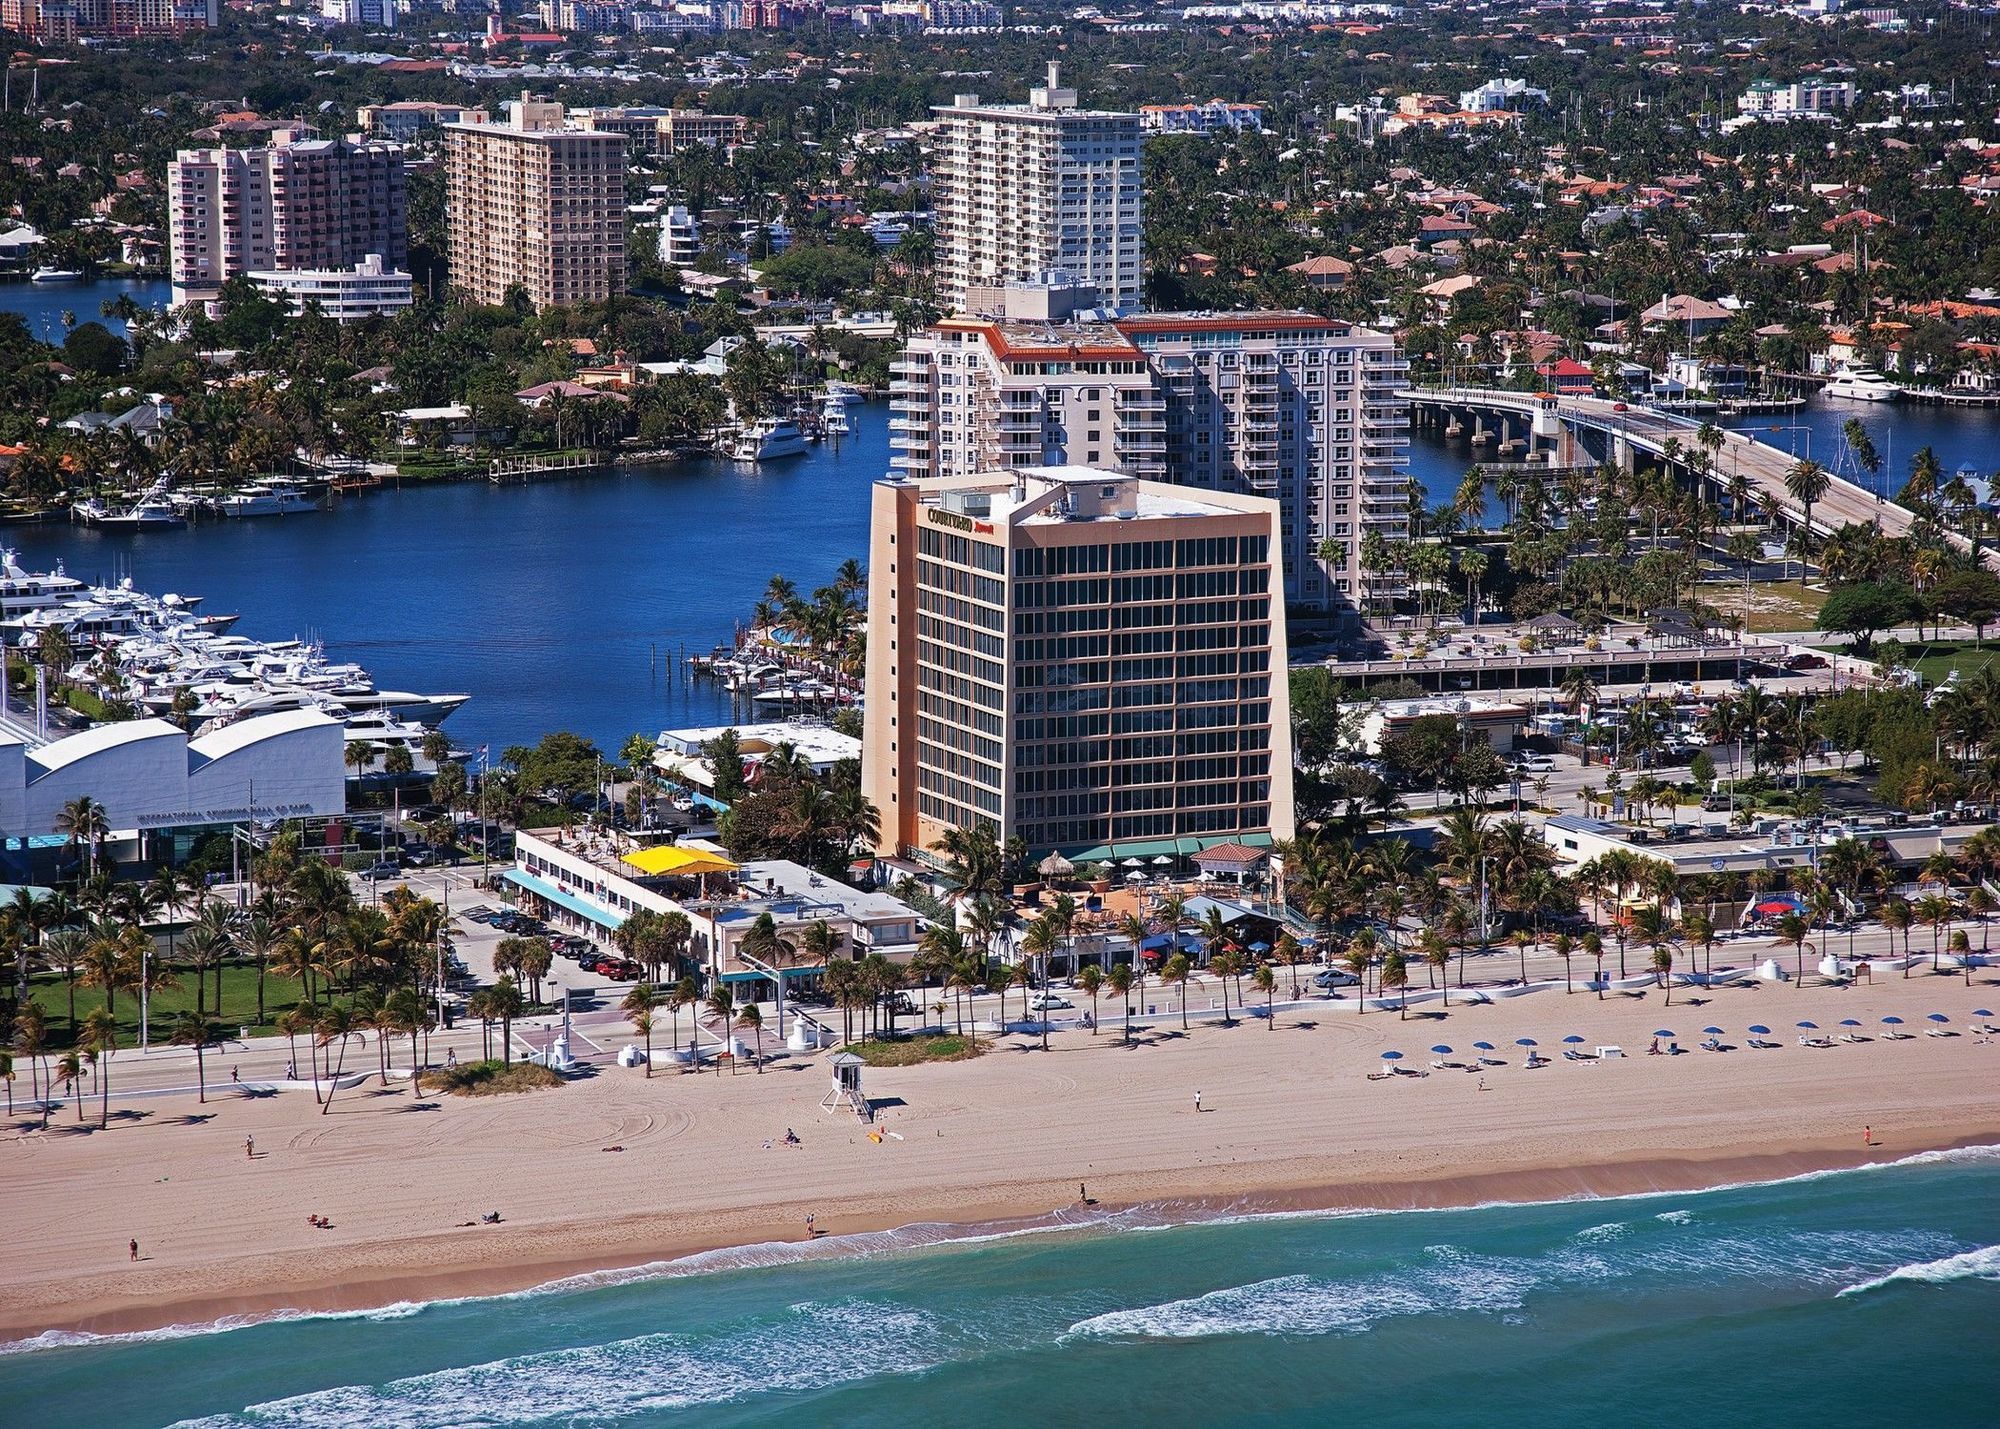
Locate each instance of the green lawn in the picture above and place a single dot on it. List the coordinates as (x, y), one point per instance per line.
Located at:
(1768, 606)
(1935, 659)
(239, 1003)
(908, 1051)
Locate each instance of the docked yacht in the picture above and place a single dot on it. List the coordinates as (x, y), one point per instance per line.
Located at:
(1860, 384)
(833, 416)
(56, 275)
(769, 439)
(154, 510)
(23, 590)
(274, 499)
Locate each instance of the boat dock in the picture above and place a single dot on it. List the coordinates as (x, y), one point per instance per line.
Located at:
(506, 471)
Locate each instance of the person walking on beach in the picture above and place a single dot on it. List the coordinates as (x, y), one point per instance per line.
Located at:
(1082, 1196)
(135, 1249)
(249, 1148)
(1197, 1101)
(1867, 1136)
(235, 1074)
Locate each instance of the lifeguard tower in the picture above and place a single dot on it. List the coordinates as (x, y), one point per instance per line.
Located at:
(846, 1088)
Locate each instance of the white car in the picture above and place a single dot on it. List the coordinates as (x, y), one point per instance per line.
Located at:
(1049, 1002)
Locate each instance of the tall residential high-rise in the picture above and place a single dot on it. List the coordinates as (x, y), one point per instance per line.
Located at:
(1077, 657)
(530, 202)
(1299, 408)
(1287, 405)
(58, 21)
(1018, 190)
(296, 203)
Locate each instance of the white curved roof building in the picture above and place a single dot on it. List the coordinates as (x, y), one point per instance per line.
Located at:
(148, 774)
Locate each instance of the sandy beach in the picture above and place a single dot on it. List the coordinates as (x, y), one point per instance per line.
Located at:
(1288, 1120)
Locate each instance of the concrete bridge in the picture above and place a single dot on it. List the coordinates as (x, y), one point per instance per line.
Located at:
(1552, 424)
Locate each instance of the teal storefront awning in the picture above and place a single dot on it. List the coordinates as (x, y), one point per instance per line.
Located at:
(1183, 847)
(542, 888)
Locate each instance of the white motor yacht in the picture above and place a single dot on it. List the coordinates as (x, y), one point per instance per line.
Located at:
(56, 275)
(1860, 384)
(833, 416)
(154, 510)
(275, 499)
(768, 439)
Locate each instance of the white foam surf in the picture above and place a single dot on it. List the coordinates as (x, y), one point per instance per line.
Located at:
(926, 1236)
(814, 1346)
(1980, 1264)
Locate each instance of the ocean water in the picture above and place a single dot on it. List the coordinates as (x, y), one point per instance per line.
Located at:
(1844, 1298)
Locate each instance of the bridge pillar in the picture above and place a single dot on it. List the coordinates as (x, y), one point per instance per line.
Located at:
(1622, 454)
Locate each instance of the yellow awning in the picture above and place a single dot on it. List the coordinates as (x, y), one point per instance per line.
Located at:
(671, 858)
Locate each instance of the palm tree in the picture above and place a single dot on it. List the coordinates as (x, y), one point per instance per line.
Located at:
(1807, 482)
(100, 1040)
(1935, 911)
(1897, 917)
(753, 1019)
(1396, 974)
(1266, 982)
(333, 1028)
(638, 1006)
(1175, 974)
(1090, 979)
(1119, 980)
(722, 1007)
(192, 1029)
(85, 824)
(506, 1007)
(1795, 930)
(31, 1039)
(1593, 945)
(69, 1071)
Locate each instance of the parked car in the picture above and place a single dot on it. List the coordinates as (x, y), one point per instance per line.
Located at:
(376, 872)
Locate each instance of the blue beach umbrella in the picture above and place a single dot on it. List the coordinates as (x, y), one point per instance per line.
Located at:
(1981, 1012)
(1488, 1046)
(1260, 947)
(1809, 1026)
(1663, 1032)
(1761, 1031)
(1573, 1038)
(1713, 1031)
(1392, 1056)
(1849, 1022)
(1936, 1017)
(1893, 1021)
(1526, 1042)
(1442, 1050)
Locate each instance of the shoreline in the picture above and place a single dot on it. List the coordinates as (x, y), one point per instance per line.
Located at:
(364, 1289)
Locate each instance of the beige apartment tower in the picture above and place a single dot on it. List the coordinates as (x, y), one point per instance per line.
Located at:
(533, 203)
(1020, 190)
(1077, 657)
(1293, 406)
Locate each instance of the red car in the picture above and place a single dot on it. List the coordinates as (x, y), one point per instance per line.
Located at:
(1620, 407)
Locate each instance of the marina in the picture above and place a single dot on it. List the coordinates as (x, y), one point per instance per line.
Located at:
(476, 588)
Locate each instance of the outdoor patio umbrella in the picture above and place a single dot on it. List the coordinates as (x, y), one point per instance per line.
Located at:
(1163, 861)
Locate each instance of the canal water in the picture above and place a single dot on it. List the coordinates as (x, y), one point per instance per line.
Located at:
(567, 604)
(43, 304)
(571, 604)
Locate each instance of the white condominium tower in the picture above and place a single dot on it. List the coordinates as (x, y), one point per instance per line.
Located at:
(530, 202)
(1018, 190)
(1288, 405)
(1080, 658)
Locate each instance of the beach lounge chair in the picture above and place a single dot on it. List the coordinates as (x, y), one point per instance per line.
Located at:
(1897, 1036)
(1570, 1055)
(1536, 1059)
(1713, 1044)
(1380, 1076)
(1450, 1067)
(1939, 1032)
(1805, 1041)
(1853, 1037)
(1761, 1045)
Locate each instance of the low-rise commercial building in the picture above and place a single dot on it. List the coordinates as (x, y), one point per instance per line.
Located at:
(371, 288)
